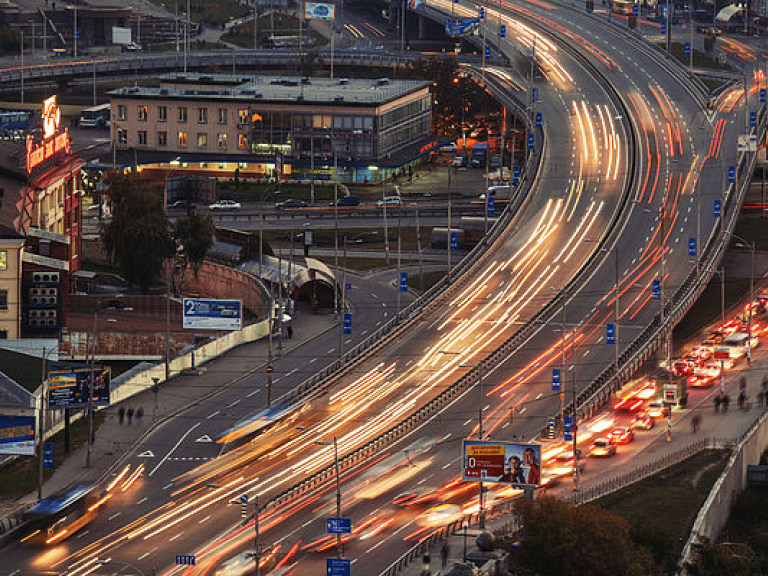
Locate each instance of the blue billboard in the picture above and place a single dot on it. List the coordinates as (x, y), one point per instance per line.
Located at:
(70, 388)
(203, 314)
(460, 27)
(17, 435)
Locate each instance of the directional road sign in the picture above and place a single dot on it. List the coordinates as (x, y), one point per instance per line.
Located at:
(663, 28)
(692, 247)
(718, 208)
(635, 9)
(515, 174)
(454, 241)
(48, 456)
(337, 567)
(762, 95)
(347, 323)
(530, 141)
(503, 34)
(491, 206)
(687, 48)
(338, 525)
(656, 289)
(482, 12)
(610, 333)
(487, 52)
(534, 95)
(403, 281)
(539, 118)
(753, 119)
(731, 174)
(556, 379)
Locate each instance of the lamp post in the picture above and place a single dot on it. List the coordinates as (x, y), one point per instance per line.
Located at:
(751, 246)
(339, 550)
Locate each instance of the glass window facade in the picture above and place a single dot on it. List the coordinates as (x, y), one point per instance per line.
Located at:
(162, 114)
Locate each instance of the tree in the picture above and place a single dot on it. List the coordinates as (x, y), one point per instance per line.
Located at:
(567, 541)
(193, 235)
(138, 238)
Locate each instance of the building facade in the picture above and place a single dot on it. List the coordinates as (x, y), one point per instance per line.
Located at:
(357, 130)
(11, 251)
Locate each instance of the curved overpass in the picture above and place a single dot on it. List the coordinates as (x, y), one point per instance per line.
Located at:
(580, 186)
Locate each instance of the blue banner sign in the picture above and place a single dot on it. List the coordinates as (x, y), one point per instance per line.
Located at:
(503, 34)
(461, 27)
(491, 206)
(753, 119)
(539, 119)
(762, 95)
(530, 141)
(656, 289)
(347, 323)
(403, 281)
(687, 48)
(337, 567)
(487, 52)
(556, 379)
(17, 435)
(482, 13)
(515, 174)
(718, 208)
(610, 333)
(731, 174)
(48, 456)
(692, 247)
(454, 240)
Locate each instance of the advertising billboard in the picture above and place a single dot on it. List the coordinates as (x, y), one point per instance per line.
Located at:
(415, 4)
(506, 462)
(17, 435)
(69, 388)
(121, 35)
(204, 314)
(460, 27)
(319, 11)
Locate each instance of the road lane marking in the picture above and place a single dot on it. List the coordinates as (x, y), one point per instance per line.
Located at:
(235, 403)
(212, 415)
(147, 553)
(115, 515)
(205, 519)
(142, 500)
(80, 535)
(187, 433)
(252, 393)
(172, 538)
(167, 486)
(292, 371)
(313, 360)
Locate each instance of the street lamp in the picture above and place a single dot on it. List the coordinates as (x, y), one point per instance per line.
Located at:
(751, 246)
(338, 487)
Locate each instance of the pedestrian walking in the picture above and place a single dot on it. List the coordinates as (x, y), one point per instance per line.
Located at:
(741, 399)
(121, 415)
(695, 423)
(139, 415)
(444, 554)
(743, 383)
(130, 415)
(726, 401)
(718, 401)
(289, 328)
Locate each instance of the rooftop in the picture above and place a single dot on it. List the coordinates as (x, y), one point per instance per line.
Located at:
(276, 89)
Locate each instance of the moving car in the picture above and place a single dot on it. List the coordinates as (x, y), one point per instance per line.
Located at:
(224, 205)
(390, 201)
(621, 435)
(682, 367)
(656, 410)
(498, 193)
(291, 203)
(349, 201)
(602, 448)
(642, 421)
(714, 30)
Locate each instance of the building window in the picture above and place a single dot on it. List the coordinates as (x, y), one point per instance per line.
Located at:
(122, 136)
(162, 114)
(222, 115)
(202, 140)
(242, 141)
(3, 334)
(202, 115)
(183, 139)
(242, 116)
(183, 114)
(3, 260)
(142, 137)
(3, 299)
(222, 142)
(162, 138)
(120, 112)
(142, 113)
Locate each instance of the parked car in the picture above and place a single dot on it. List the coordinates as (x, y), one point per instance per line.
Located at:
(602, 448)
(460, 161)
(224, 205)
(449, 147)
(291, 203)
(349, 201)
(390, 201)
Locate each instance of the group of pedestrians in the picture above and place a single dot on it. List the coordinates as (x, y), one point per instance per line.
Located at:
(122, 414)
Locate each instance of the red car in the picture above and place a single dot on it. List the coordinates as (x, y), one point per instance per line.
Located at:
(621, 435)
(699, 379)
(682, 367)
(643, 421)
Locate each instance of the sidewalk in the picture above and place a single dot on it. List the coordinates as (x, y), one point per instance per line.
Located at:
(113, 440)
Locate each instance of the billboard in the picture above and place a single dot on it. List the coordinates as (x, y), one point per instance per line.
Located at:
(415, 4)
(489, 461)
(17, 435)
(121, 35)
(203, 314)
(460, 27)
(69, 388)
(319, 11)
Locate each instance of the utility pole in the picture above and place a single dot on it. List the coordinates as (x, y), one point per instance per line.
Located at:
(448, 236)
(41, 428)
(90, 386)
(339, 550)
(343, 300)
(418, 247)
(386, 228)
(257, 542)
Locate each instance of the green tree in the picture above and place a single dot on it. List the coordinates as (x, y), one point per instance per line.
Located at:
(193, 235)
(138, 238)
(567, 541)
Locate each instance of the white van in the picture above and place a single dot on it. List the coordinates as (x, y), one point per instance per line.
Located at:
(498, 193)
(739, 343)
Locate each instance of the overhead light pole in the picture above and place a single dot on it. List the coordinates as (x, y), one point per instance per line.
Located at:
(751, 246)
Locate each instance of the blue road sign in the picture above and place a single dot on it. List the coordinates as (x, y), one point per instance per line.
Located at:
(731, 174)
(491, 206)
(551, 423)
(656, 289)
(610, 333)
(338, 525)
(568, 420)
(403, 281)
(348, 286)
(753, 119)
(687, 48)
(482, 12)
(556, 379)
(454, 241)
(534, 95)
(692, 247)
(762, 95)
(77, 33)
(347, 323)
(515, 174)
(718, 208)
(337, 567)
(663, 26)
(567, 435)
(539, 119)
(244, 499)
(487, 52)
(635, 9)
(48, 456)
(530, 141)
(185, 559)
(503, 34)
